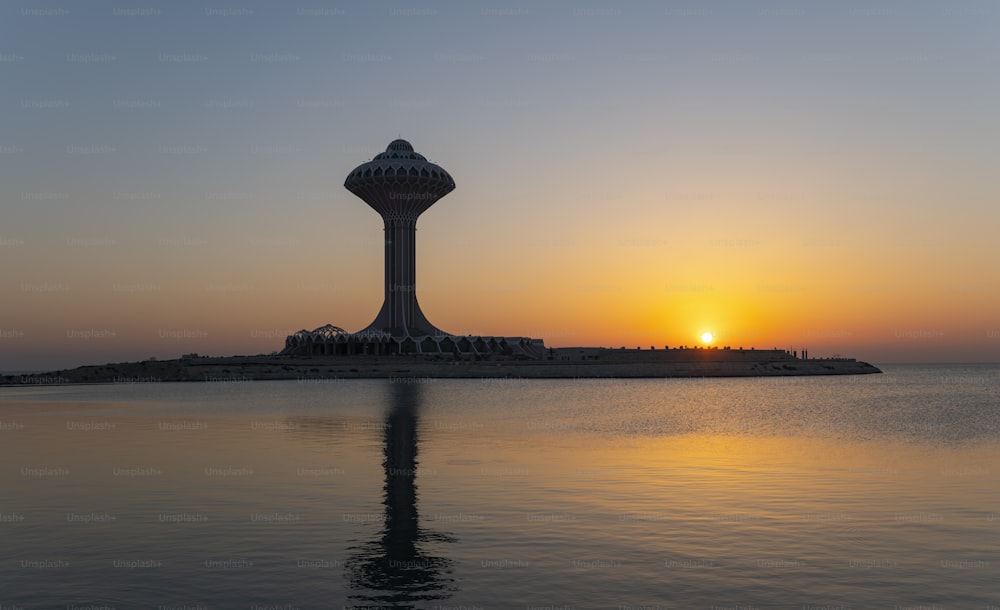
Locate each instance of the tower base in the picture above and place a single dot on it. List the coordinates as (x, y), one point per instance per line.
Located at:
(332, 340)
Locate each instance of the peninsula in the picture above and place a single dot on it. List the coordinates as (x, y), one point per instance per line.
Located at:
(558, 363)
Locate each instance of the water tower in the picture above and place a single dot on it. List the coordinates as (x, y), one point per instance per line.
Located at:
(400, 185)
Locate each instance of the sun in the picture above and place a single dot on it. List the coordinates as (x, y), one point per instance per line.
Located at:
(706, 337)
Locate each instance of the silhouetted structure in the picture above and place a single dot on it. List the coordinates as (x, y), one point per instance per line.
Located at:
(400, 185)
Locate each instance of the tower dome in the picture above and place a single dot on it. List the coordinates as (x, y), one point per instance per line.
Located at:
(399, 145)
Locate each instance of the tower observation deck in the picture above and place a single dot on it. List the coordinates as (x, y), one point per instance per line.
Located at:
(401, 184)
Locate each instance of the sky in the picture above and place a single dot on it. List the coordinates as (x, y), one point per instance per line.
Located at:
(800, 175)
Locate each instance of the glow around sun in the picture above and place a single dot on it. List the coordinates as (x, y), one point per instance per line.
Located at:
(706, 337)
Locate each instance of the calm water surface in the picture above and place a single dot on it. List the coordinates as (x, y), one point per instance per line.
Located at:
(863, 492)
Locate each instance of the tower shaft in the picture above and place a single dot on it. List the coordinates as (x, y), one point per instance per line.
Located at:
(400, 313)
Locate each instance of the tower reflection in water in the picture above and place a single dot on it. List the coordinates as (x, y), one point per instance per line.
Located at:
(397, 568)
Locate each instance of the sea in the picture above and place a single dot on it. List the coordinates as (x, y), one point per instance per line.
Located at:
(809, 493)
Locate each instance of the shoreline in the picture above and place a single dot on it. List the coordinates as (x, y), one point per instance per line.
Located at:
(562, 363)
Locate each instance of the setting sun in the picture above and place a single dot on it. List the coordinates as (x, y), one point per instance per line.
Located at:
(706, 337)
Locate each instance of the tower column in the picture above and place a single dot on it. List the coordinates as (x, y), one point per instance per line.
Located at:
(400, 271)
(400, 313)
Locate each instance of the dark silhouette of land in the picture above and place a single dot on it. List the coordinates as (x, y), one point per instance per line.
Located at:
(558, 363)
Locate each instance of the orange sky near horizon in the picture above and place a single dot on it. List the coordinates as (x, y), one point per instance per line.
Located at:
(610, 284)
